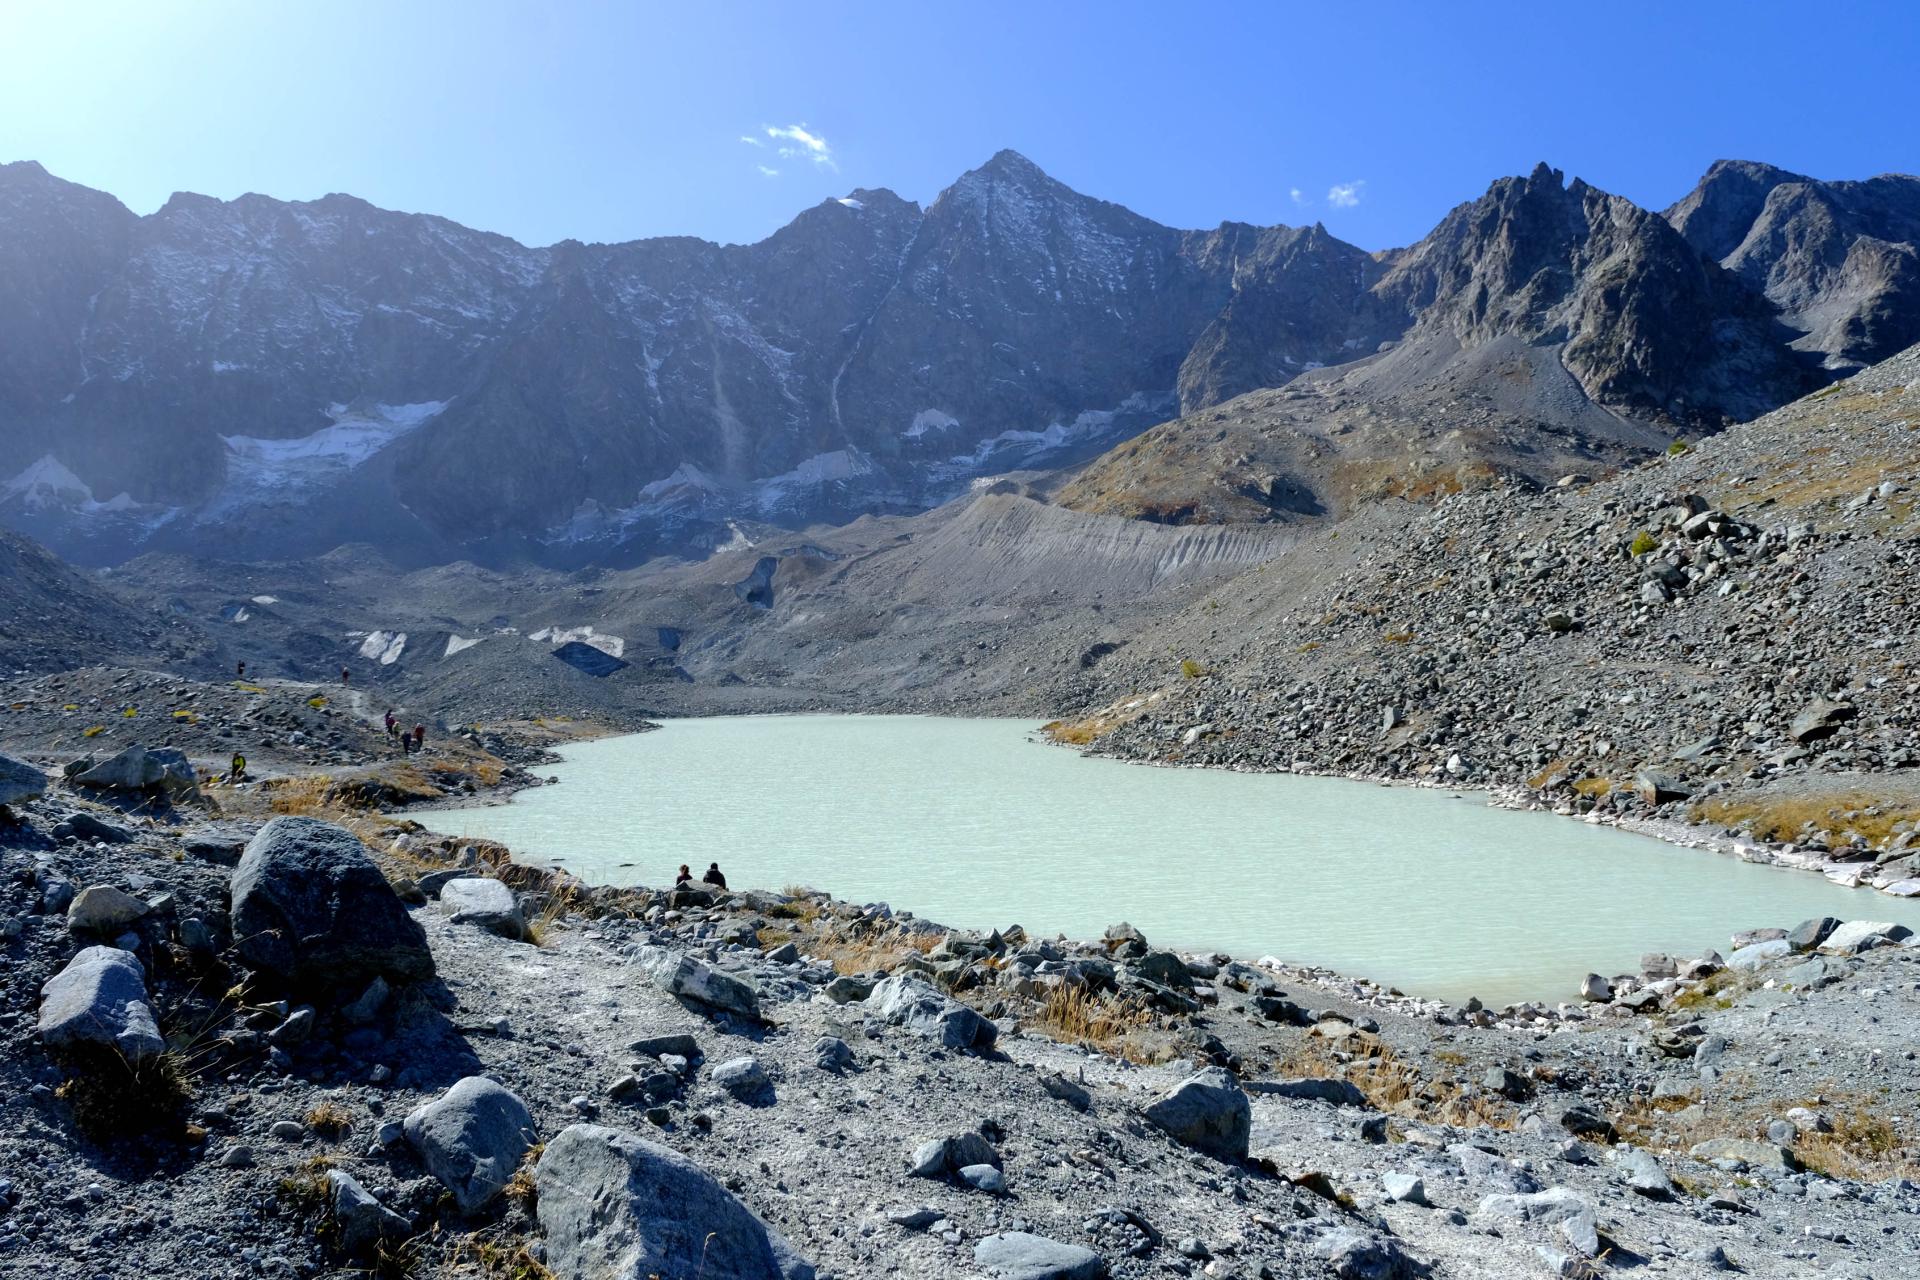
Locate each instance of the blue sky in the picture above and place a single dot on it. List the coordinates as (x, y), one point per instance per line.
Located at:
(614, 121)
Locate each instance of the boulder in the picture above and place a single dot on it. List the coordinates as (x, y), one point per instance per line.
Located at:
(1124, 941)
(614, 1206)
(471, 1138)
(1745, 1153)
(1863, 935)
(1165, 968)
(943, 1157)
(19, 781)
(84, 826)
(1759, 953)
(1821, 718)
(1018, 1255)
(1809, 934)
(485, 902)
(139, 768)
(101, 908)
(1207, 1111)
(680, 974)
(743, 1078)
(1655, 786)
(362, 1220)
(100, 998)
(1404, 1188)
(1596, 988)
(831, 1053)
(1643, 1173)
(906, 1000)
(312, 909)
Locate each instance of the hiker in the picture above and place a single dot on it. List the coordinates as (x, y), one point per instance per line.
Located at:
(238, 771)
(713, 876)
(685, 876)
(241, 672)
(346, 676)
(393, 722)
(419, 737)
(406, 744)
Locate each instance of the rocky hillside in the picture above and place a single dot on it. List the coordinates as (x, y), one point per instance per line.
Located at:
(261, 379)
(1549, 327)
(1724, 634)
(53, 618)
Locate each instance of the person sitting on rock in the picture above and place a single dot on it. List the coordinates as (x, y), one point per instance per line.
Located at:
(686, 874)
(713, 876)
(238, 771)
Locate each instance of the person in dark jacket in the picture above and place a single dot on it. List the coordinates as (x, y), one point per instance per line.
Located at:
(685, 875)
(713, 876)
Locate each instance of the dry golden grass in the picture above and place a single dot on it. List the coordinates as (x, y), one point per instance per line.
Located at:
(1715, 991)
(1078, 733)
(1394, 1085)
(1835, 815)
(1111, 1024)
(329, 1119)
(1865, 1146)
(849, 954)
(1595, 786)
(304, 796)
(497, 1260)
(1552, 774)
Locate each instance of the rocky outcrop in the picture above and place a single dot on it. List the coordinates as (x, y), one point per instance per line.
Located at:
(617, 1207)
(138, 768)
(907, 1000)
(1209, 1112)
(311, 908)
(19, 781)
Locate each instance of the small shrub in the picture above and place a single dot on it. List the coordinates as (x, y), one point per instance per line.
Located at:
(1191, 669)
(1106, 1023)
(1678, 447)
(1642, 543)
(1398, 637)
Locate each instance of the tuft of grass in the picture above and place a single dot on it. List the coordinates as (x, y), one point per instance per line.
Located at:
(1713, 991)
(306, 796)
(1678, 447)
(1595, 786)
(1392, 1084)
(113, 1100)
(1191, 669)
(1642, 543)
(500, 1259)
(805, 910)
(1397, 637)
(1112, 1025)
(850, 954)
(329, 1119)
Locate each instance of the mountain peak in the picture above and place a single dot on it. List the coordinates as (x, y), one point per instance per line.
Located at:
(1008, 163)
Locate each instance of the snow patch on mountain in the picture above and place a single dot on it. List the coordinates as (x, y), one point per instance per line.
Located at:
(460, 644)
(383, 647)
(612, 646)
(49, 483)
(930, 420)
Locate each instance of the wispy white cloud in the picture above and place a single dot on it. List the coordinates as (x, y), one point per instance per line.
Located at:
(751, 141)
(767, 171)
(1299, 196)
(1345, 195)
(797, 142)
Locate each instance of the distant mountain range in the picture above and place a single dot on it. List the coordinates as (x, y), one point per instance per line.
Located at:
(262, 378)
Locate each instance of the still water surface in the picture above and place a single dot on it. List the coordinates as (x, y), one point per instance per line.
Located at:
(973, 823)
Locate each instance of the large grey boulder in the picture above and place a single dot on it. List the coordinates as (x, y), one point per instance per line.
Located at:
(680, 974)
(311, 908)
(1209, 1112)
(942, 1157)
(19, 781)
(471, 1138)
(1863, 935)
(1759, 953)
(1019, 1255)
(100, 998)
(363, 1221)
(139, 768)
(909, 1001)
(485, 902)
(1745, 1153)
(617, 1207)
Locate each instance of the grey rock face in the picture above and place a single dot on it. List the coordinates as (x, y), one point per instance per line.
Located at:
(362, 1219)
(311, 908)
(692, 979)
(1208, 1112)
(1821, 718)
(19, 781)
(617, 1207)
(484, 902)
(909, 1001)
(1019, 1255)
(100, 998)
(1809, 934)
(471, 1138)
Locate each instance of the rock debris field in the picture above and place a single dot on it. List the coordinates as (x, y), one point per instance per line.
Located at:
(243, 1045)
